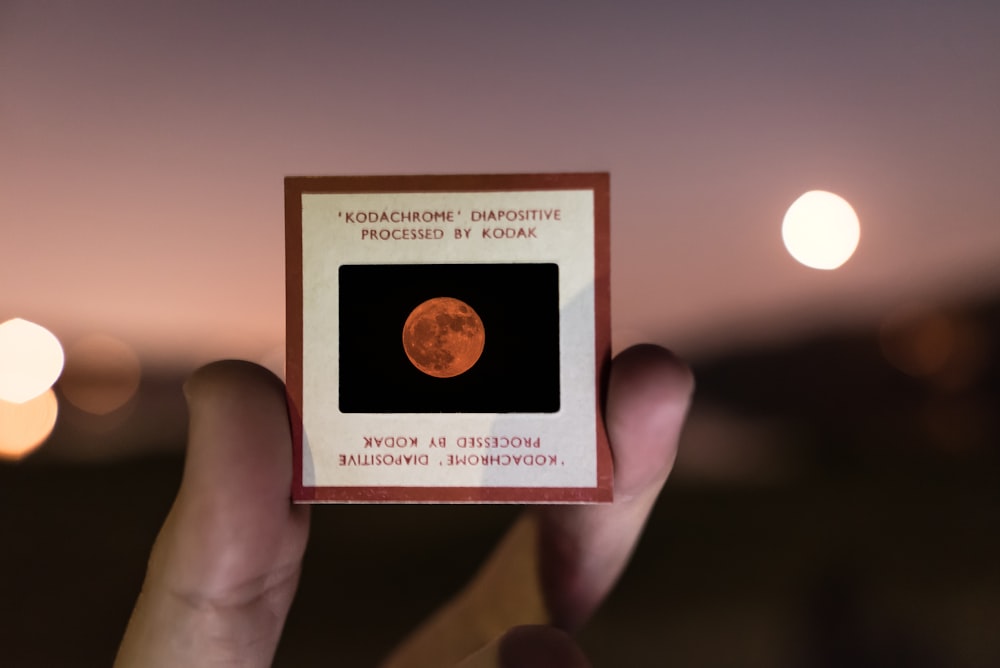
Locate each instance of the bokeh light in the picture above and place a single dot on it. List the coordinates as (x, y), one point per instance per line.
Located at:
(821, 230)
(31, 359)
(917, 343)
(930, 343)
(25, 426)
(102, 374)
(274, 360)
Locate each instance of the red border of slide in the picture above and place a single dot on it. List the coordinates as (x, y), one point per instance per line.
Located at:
(599, 183)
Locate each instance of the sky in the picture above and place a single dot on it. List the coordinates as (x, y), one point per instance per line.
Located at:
(143, 147)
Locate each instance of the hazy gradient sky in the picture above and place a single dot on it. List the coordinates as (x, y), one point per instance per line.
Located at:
(143, 146)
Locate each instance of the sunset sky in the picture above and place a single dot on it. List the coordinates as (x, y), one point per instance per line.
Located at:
(143, 147)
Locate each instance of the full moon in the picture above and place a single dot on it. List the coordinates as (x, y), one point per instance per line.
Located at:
(821, 230)
(443, 337)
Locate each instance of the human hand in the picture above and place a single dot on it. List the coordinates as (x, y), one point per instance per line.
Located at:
(225, 566)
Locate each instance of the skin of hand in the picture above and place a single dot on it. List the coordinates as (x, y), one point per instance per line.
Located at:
(226, 564)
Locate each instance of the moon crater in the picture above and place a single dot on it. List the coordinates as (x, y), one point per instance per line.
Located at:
(443, 337)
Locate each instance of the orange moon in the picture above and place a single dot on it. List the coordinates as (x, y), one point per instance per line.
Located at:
(443, 337)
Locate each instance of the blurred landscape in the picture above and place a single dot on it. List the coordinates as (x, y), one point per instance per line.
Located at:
(834, 503)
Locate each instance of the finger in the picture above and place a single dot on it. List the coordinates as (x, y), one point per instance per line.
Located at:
(529, 647)
(558, 563)
(584, 549)
(225, 566)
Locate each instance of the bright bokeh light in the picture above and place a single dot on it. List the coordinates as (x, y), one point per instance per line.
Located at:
(31, 359)
(101, 374)
(821, 230)
(25, 426)
(274, 359)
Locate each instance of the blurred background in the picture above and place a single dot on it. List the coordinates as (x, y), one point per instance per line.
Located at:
(835, 501)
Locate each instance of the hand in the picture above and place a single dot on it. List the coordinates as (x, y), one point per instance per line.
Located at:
(226, 563)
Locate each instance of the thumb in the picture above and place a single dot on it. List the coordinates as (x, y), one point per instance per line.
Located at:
(225, 566)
